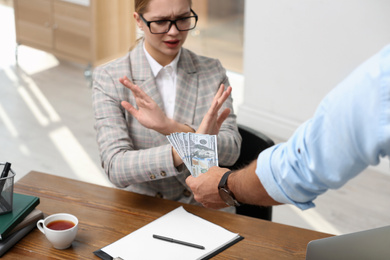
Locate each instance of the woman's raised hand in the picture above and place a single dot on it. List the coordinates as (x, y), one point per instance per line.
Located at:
(212, 122)
(149, 114)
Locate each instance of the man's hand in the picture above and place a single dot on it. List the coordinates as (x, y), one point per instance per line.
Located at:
(205, 187)
(244, 183)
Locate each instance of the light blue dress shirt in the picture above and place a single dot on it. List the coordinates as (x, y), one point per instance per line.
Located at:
(349, 131)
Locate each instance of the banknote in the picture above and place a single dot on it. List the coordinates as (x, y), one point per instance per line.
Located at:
(199, 152)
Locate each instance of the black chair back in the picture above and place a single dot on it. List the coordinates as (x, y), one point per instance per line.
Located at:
(253, 143)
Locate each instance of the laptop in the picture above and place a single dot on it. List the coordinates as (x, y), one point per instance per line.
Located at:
(369, 244)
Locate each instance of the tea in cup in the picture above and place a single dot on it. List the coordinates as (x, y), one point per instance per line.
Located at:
(60, 229)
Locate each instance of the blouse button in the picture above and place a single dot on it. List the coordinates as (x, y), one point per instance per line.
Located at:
(163, 173)
(152, 177)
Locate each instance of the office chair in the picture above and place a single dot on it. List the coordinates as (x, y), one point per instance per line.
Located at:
(253, 142)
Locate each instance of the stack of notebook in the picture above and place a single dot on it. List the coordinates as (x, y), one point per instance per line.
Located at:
(19, 222)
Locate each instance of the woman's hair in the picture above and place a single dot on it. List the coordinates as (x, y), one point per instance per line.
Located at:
(141, 7)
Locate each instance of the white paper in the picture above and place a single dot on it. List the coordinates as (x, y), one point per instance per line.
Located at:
(177, 224)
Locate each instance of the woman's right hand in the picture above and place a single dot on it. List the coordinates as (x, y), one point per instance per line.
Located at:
(149, 114)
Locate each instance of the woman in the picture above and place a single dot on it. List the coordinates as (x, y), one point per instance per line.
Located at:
(160, 88)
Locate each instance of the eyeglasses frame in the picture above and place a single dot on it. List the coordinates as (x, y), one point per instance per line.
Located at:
(171, 22)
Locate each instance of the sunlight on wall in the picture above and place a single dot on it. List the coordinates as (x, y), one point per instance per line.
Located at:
(23, 148)
(29, 59)
(10, 74)
(8, 122)
(43, 121)
(37, 95)
(76, 157)
(42, 100)
(12, 129)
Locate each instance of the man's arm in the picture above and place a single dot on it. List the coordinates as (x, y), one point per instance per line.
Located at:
(247, 187)
(244, 183)
(349, 131)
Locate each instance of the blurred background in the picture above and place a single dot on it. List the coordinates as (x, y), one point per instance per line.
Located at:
(46, 117)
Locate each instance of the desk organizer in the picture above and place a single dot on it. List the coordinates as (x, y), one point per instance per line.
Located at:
(6, 191)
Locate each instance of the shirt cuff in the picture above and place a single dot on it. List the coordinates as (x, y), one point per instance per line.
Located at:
(266, 174)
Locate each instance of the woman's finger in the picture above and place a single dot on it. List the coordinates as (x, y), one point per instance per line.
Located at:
(132, 110)
(224, 96)
(222, 117)
(219, 92)
(138, 93)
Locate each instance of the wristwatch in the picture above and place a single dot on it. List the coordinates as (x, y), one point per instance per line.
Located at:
(226, 195)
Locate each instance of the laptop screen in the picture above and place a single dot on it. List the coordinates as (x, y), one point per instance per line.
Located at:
(363, 245)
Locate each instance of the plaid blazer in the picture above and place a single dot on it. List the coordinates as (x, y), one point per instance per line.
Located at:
(140, 159)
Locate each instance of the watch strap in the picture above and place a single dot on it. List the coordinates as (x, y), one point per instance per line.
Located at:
(223, 187)
(223, 181)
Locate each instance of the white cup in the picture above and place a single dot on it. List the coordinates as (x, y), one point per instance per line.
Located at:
(60, 239)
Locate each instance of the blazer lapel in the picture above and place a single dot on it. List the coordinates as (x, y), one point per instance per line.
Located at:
(186, 89)
(186, 95)
(142, 75)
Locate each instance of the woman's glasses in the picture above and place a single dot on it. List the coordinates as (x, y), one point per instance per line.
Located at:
(163, 26)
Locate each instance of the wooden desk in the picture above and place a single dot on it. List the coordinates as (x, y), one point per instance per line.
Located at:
(107, 214)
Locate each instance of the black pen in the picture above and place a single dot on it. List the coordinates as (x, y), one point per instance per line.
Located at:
(4, 205)
(168, 239)
(6, 169)
(4, 175)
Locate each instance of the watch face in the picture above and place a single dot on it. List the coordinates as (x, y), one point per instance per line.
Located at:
(226, 197)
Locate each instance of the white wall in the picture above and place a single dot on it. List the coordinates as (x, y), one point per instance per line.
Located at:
(296, 51)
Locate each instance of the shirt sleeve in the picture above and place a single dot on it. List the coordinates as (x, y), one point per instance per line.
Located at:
(349, 131)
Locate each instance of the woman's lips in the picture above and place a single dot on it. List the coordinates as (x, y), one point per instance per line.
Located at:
(172, 43)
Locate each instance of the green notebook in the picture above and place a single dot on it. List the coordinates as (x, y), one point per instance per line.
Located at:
(22, 205)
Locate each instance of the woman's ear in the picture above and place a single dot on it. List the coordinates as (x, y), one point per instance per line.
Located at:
(138, 20)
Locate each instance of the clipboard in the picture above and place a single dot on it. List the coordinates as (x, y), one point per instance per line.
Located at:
(178, 224)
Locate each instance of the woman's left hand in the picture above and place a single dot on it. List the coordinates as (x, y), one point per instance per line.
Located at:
(212, 122)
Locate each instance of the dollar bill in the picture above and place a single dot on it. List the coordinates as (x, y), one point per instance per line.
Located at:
(203, 152)
(199, 152)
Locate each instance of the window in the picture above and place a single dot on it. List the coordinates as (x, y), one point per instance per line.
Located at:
(220, 32)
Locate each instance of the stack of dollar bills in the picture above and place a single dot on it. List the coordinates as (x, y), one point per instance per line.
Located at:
(198, 151)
